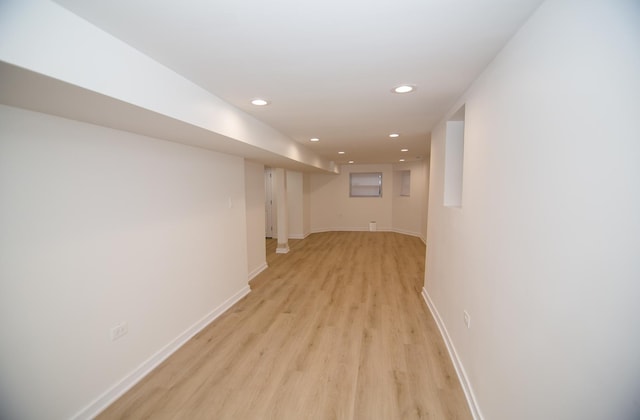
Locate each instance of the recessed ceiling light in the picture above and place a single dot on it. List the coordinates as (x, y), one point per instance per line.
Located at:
(341, 153)
(404, 150)
(314, 139)
(404, 89)
(259, 102)
(394, 135)
(401, 160)
(350, 161)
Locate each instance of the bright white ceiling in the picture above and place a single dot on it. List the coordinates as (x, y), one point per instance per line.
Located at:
(327, 66)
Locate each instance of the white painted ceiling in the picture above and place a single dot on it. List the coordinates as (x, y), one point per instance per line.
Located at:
(327, 66)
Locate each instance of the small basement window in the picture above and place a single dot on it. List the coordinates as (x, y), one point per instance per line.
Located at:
(454, 159)
(365, 184)
(405, 183)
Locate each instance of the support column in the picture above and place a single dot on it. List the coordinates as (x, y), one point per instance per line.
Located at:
(283, 213)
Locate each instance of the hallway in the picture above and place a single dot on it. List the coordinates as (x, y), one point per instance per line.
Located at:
(336, 328)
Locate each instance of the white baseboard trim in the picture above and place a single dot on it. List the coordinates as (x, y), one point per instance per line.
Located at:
(254, 273)
(351, 229)
(366, 229)
(457, 363)
(116, 391)
(362, 229)
(299, 235)
(407, 232)
(283, 249)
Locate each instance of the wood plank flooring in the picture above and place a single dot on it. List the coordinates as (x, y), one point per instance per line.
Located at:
(335, 329)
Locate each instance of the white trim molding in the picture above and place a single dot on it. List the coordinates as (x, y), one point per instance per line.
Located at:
(407, 232)
(351, 229)
(297, 236)
(282, 249)
(366, 229)
(457, 363)
(126, 383)
(254, 273)
(342, 229)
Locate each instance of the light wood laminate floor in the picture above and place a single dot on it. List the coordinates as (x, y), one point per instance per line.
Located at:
(335, 329)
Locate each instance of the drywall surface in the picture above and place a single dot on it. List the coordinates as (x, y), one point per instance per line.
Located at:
(543, 252)
(333, 209)
(255, 202)
(425, 202)
(42, 37)
(407, 211)
(101, 227)
(295, 204)
(306, 204)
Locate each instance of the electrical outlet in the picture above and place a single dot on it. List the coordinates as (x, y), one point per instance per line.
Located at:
(467, 319)
(119, 330)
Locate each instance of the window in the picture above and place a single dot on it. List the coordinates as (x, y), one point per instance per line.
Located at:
(405, 183)
(365, 184)
(453, 159)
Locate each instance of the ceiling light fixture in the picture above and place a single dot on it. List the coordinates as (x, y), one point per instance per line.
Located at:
(314, 139)
(394, 135)
(404, 89)
(350, 161)
(404, 150)
(259, 102)
(341, 153)
(401, 160)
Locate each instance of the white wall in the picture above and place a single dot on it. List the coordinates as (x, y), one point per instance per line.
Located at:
(299, 204)
(407, 212)
(295, 204)
(543, 253)
(333, 209)
(425, 201)
(255, 208)
(306, 204)
(47, 39)
(98, 227)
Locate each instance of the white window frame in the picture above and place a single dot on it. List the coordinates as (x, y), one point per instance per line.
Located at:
(365, 184)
